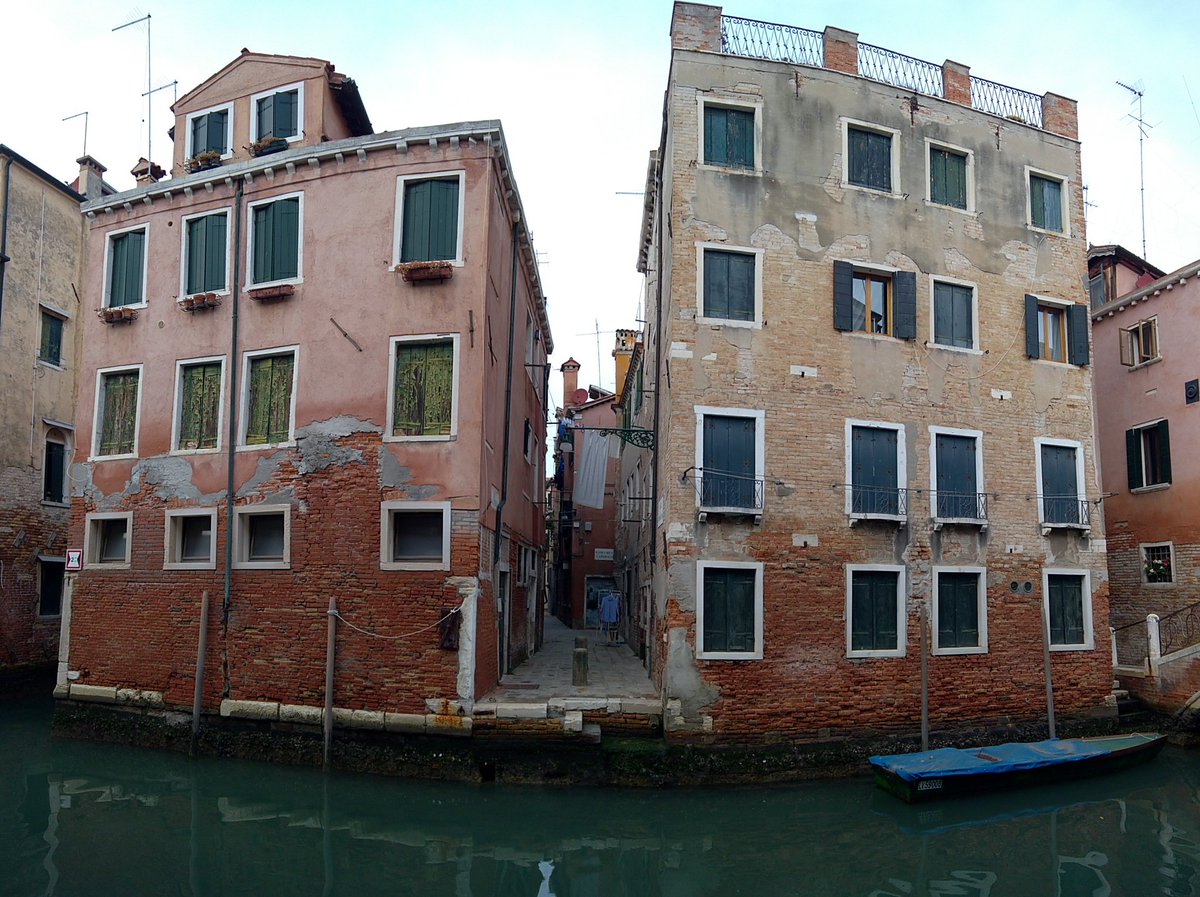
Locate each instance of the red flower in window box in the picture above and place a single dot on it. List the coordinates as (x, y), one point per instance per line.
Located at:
(416, 272)
(283, 291)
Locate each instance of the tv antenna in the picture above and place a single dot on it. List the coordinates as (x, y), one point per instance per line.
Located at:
(149, 86)
(85, 123)
(1141, 123)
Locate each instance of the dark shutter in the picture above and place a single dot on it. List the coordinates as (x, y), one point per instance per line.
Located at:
(728, 285)
(266, 117)
(1164, 451)
(50, 349)
(873, 611)
(873, 470)
(729, 468)
(264, 228)
(1133, 458)
(50, 588)
(904, 303)
(53, 474)
(728, 610)
(1077, 334)
(430, 221)
(956, 481)
(843, 296)
(1065, 597)
(958, 610)
(1031, 326)
(1060, 485)
(741, 137)
(214, 252)
(199, 134)
(715, 134)
(125, 269)
(285, 124)
(277, 240)
(217, 122)
(870, 163)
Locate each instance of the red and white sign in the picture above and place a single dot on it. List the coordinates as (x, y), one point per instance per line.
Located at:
(74, 559)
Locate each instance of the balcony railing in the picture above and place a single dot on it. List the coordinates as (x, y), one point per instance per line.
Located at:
(1005, 101)
(730, 492)
(766, 40)
(1065, 510)
(899, 70)
(969, 506)
(1179, 630)
(878, 501)
(1131, 644)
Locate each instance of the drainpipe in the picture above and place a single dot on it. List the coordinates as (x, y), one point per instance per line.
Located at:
(508, 382)
(4, 232)
(235, 293)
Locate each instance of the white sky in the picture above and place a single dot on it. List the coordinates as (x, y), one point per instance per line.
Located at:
(579, 90)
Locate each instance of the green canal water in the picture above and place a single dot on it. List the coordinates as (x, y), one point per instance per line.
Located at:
(94, 820)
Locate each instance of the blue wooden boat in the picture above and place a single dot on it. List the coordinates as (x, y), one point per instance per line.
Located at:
(947, 772)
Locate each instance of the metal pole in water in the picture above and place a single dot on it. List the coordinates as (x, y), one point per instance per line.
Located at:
(201, 650)
(1046, 662)
(924, 681)
(329, 648)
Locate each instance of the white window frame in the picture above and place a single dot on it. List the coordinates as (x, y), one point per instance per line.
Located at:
(1064, 199)
(759, 256)
(173, 541)
(1128, 343)
(54, 312)
(974, 348)
(398, 231)
(1089, 635)
(92, 540)
(845, 124)
(930, 146)
(1080, 482)
(189, 150)
(757, 653)
(1066, 319)
(395, 341)
(1170, 546)
(387, 510)
(977, 435)
(284, 88)
(1148, 487)
(98, 408)
(250, 284)
(177, 404)
(901, 466)
(901, 609)
(726, 102)
(64, 440)
(981, 586)
(227, 211)
(244, 399)
(108, 251)
(241, 538)
(760, 451)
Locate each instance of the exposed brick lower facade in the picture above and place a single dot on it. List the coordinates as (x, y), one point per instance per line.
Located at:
(28, 529)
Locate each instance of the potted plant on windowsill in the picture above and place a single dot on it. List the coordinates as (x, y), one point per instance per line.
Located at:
(118, 315)
(267, 145)
(203, 161)
(417, 272)
(199, 301)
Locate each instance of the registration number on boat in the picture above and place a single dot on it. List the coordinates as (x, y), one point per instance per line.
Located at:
(929, 785)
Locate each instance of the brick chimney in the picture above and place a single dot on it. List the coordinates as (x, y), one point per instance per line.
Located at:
(91, 177)
(622, 355)
(570, 372)
(146, 172)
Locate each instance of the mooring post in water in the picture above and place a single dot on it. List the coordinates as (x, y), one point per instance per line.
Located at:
(201, 650)
(329, 646)
(1046, 662)
(924, 680)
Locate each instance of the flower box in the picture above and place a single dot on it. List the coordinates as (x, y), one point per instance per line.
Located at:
(268, 145)
(424, 272)
(117, 315)
(282, 291)
(199, 301)
(202, 161)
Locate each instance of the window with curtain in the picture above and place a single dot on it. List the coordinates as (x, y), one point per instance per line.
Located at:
(199, 403)
(947, 177)
(269, 403)
(126, 268)
(729, 137)
(1045, 203)
(206, 252)
(423, 403)
(430, 231)
(118, 412)
(870, 162)
(276, 240)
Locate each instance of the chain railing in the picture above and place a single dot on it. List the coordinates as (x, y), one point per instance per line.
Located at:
(1005, 101)
(729, 491)
(899, 70)
(960, 505)
(870, 500)
(1180, 629)
(1066, 510)
(766, 40)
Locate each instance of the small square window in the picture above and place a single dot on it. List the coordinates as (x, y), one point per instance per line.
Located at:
(870, 159)
(50, 586)
(263, 537)
(1158, 563)
(415, 535)
(1046, 203)
(50, 346)
(1139, 343)
(191, 539)
(728, 136)
(953, 315)
(730, 285)
(948, 177)
(107, 539)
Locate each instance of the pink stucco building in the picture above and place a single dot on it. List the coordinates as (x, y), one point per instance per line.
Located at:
(317, 370)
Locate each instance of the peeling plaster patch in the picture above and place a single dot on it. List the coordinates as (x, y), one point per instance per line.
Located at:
(680, 350)
(173, 477)
(711, 356)
(769, 237)
(468, 591)
(874, 362)
(267, 467)
(832, 182)
(901, 261)
(710, 233)
(935, 379)
(738, 337)
(679, 532)
(393, 474)
(1022, 263)
(973, 228)
(850, 246)
(958, 264)
(1048, 383)
(684, 682)
(318, 444)
(807, 237)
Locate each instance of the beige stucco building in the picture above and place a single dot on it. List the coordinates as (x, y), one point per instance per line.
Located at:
(41, 278)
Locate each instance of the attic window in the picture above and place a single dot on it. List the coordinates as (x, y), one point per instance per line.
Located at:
(278, 113)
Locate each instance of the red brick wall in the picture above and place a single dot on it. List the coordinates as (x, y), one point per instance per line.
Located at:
(27, 529)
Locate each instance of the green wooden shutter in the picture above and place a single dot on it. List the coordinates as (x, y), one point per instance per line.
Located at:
(740, 139)
(269, 415)
(728, 454)
(956, 180)
(958, 610)
(873, 612)
(1032, 344)
(870, 163)
(217, 124)
(415, 239)
(285, 124)
(286, 248)
(197, 255)
(119, 420)
(904, 304)
(443, 220)
(843, 296)
(266, 117)
(198, 406)
(423, 403)
(264, 230)
(199, 134)
(1077, 334)
(126, 253)
(216, 227)
(53, 474)
(1164, 451)
(716, 284)
(874, 471)
(716, 610)
(1133, 458)
(716, 135)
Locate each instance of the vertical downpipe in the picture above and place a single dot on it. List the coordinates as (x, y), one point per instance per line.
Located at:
(508, 382)
(924, 623)
(4, 232)
(201, 650)
(330, 647)
(231, 442)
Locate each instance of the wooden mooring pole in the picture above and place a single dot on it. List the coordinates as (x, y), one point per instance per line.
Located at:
(1046, 663)
(201, 650)
(924, 680)
(329, 650)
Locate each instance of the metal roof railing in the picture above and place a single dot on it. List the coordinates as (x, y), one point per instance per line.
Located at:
(767, 40)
